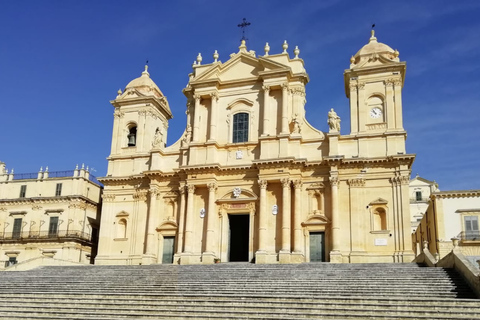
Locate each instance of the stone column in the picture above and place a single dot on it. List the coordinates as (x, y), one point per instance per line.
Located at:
(353, 107)
(297, 228)
(196, 112)
(398, 103)
(286, 221)
(335, 255)
(266, 110)
(181, 220)
(213, 117)
(211, 219)
(262, 219)
(389, 104)
(362, 115)
(150, 241)
(284, 109)
(189, 217)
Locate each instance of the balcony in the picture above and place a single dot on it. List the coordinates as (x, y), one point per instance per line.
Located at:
(469, 235)
(46, 236)
(419, 200)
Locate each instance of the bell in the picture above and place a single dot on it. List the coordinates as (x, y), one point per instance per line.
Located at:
(131, 140)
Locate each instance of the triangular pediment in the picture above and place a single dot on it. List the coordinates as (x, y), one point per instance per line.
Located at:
(240, 66)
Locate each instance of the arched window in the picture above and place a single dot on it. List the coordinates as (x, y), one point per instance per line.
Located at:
(122, 229)
(240, 127)
(132, 136)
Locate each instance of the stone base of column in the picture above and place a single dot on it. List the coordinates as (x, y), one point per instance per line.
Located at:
(284, 257)
(263, 257)
(358, 257)
(297, 257)
(190, 258)
(208, 258)
(336, 257)
(176, 258)
(149, 259)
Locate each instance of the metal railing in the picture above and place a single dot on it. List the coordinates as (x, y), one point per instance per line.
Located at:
(44, 236)
(54, 174)
(415, 199)
(469, 235)
(61, 174)
(24, 176)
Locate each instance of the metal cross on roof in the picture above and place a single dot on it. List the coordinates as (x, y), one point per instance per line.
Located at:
(244, 25)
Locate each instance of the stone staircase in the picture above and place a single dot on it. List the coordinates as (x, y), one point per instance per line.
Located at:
(237, 291)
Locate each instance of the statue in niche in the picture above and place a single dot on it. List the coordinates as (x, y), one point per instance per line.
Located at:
(157, 138)
(188, 136)
(236, 192)
(333, 121)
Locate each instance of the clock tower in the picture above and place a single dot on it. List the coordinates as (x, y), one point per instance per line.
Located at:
(374, 86)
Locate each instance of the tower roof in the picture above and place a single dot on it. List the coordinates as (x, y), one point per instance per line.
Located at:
(374, 49)
(145, 85)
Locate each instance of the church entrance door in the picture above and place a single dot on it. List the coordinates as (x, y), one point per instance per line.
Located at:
(168, 250)
(317, 246)
(239, 225)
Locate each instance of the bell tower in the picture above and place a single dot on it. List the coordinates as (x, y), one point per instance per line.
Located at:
(140, 125)
(374, 85)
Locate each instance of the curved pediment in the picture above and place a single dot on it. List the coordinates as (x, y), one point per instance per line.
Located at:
(316, 219)
(240, 101)
(238, 194)
(122, 214)
(167, 226)
(378, 201)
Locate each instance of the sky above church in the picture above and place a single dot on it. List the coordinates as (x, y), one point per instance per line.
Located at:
(61, 62)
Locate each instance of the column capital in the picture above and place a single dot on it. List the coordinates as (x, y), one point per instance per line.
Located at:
(214, 96)
(190, 188)
(181, 189)
(212, 187)
(266, 88)
(284, 86)
(154, 191)
(297, 184)
(333, 180)
(262, 183)
(359, 182)
(197, 97)
(285, 182)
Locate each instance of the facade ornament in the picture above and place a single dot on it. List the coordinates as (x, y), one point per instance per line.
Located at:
(118, 114)
(284, 86)
(108, 197)
(140, 195)
(157, 138)
(358, 182)
(262, 184)
(236, 192)
(404, 180)
(199, 59)
(333, 121)
(389, 82)
(274, 209)
(353, 85)
(266, 88)
(266, 49)
(36, 207)
(214, 95)
(202, 213)
(239, 154)
(296, 125)
(361, 85)
(191, 188)
(215, 56)
(197, 97)
(297, 184)
(397, 82)
(181, 189)
(285, 46)
(296, 52)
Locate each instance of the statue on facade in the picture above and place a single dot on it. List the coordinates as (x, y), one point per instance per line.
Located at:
(157, 138)
(333, 121)
(296, 125)
(188, 136)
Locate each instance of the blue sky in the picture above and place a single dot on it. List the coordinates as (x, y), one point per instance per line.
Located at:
(61, 62)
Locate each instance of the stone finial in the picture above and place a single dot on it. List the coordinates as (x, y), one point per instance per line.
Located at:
(425, 244)
(267, 49)
(146, 71)
(455, 242)
(46, 169)
(243, 46)
(215, 56)
(41, 169)
(296, 52)
(76, 167)
(83, 166)
(352, 60)
(285, 46)
(199, 59)
(119, 92)
(396, 53)
(372, 37)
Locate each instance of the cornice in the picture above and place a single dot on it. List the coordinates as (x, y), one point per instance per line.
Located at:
(47, 200)
(111, 181)
(455, 194)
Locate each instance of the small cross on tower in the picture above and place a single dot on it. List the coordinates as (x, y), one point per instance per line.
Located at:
(244, 25)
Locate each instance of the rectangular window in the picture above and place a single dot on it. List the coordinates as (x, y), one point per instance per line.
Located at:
(58, 190)
(240, 127)
(418, 195)
(23, 191)
(11, 261)
(53, 226)
(471, 228)
(17, 228)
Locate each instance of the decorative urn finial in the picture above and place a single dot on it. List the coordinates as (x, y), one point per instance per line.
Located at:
(285, 46)
(215, 56)
(267, 49)
(296, 52)
(199, 58)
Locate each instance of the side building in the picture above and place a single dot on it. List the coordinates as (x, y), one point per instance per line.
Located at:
(451, 215)
(251, 179)
(420, 191)
(48, 214)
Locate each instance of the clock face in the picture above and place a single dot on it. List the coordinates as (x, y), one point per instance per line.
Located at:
(376, 113)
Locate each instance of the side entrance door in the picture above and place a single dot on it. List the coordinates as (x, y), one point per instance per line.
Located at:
(317, 246)
(168, 243)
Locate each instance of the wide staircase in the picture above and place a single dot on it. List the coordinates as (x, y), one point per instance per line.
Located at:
(237, 291)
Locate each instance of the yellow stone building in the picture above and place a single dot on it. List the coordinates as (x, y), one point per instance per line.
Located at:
(48, 214)
(251, 179)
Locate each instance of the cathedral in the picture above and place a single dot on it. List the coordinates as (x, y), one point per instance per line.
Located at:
(250, 179)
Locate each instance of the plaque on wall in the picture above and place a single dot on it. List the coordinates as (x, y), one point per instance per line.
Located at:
(381, 242)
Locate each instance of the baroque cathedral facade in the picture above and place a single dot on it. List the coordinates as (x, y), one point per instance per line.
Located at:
(250, 179)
